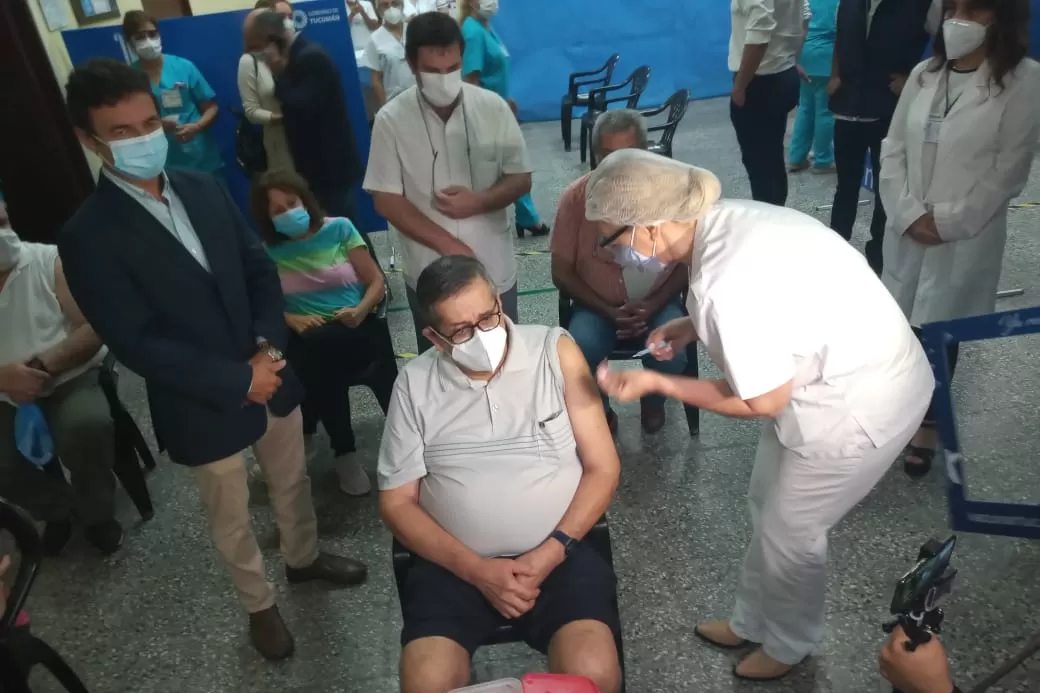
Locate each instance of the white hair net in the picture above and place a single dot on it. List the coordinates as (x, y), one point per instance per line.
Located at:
(632, 187)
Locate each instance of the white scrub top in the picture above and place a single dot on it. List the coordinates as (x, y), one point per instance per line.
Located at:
(359, 31)
(414, 153)
(777, 296)
(385, 55)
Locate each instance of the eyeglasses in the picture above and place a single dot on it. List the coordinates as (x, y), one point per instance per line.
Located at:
(465, 333)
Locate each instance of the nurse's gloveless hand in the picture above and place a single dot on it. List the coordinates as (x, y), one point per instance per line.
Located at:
(670, 338)
(628, 385)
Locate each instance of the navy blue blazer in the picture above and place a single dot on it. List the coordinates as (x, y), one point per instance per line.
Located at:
(316, 120)
(188, 332)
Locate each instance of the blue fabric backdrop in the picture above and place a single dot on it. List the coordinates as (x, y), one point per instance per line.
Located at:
(214, 43)
(686, 42)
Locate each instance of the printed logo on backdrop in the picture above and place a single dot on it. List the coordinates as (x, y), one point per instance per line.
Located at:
(325, 16)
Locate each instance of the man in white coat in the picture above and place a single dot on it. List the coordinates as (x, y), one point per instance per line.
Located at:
(838, 377)
(960, 147)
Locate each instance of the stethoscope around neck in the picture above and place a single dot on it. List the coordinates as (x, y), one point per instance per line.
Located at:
(434, 153)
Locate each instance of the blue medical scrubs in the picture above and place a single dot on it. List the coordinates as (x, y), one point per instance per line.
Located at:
(180, 91)
(485, 53)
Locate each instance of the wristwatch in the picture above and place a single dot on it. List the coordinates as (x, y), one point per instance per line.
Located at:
(568, 542)
(269, 350)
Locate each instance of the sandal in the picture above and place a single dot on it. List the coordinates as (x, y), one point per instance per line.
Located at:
(917, 470)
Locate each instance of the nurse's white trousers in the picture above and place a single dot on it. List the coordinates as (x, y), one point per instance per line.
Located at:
(794, 502)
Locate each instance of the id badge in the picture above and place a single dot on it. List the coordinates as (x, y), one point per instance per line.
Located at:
(171, 98)
(932, 130)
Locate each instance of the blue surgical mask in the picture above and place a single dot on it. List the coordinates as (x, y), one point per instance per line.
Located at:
(629, 257)
(141, 157)
(293, 223)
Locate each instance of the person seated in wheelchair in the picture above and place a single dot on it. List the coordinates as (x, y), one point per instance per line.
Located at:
(496, 460)
(332, 288)
(618, 294)
(51, 357)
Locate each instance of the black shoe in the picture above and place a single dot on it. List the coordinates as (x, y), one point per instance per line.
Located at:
(106, 536)
(56, 537)
(540, 230)
(335, 569)
(270, 636)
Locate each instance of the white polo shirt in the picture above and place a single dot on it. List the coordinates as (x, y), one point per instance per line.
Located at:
(32, 319)
(497, 462)
(776, 296)
(414, 153)
(779, 23)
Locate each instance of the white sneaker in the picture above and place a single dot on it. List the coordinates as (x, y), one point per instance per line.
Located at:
(255, 473)
(353, 480)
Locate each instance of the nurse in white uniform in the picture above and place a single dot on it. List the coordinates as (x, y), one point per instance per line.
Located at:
(809, 341)
(960, 147)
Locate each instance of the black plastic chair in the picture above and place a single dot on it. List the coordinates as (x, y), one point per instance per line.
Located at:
(20, 650)
(576, 98)
(676, 106)
(624, 349)
(600, 100)
(132, 455)
(598, 538)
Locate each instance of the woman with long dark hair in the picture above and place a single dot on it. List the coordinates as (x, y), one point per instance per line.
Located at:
(960, 147)
(332, 288)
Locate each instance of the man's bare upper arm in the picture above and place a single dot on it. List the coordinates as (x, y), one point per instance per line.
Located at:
(65, 299)
(393, 498)
(585, 409)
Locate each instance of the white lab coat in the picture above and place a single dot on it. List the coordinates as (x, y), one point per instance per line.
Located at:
(986, 147)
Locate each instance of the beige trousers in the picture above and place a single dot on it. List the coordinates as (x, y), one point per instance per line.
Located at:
(224, 488)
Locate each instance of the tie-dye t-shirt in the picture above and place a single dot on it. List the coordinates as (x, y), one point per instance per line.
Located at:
(317, 277)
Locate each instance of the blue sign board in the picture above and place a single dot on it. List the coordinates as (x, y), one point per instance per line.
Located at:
(214, 43)
(987, 517)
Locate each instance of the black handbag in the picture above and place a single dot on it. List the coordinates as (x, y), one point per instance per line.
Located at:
(249, 140)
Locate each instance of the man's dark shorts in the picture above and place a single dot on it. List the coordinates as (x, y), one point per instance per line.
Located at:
(435, 602)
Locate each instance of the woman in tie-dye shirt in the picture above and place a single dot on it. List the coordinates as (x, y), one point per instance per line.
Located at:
(332, 287)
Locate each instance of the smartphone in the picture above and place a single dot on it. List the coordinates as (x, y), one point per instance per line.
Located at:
(912, 589)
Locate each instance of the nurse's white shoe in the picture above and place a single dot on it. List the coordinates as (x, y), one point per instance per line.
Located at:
(719, 634)
(758, 666)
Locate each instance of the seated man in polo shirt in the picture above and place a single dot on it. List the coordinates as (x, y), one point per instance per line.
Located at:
(617, 293)
(50, 357)
(496, 460)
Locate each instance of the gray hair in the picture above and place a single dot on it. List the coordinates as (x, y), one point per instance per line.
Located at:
(616, 121)
(443, 278)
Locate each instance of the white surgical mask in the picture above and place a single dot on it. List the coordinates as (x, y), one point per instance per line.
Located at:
(629, 257)
(439, 89)
(961, 37)
(289, 25)
(488, 8)
(148, 49)
(10, 249)
(484, 352)
(393, 15)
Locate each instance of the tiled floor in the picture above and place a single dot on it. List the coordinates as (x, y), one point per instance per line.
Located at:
(160, 616)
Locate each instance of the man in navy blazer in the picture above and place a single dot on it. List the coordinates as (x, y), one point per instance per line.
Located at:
(164, 267)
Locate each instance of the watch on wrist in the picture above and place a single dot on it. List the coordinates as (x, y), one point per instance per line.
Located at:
(568, 542)
(270, 351)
